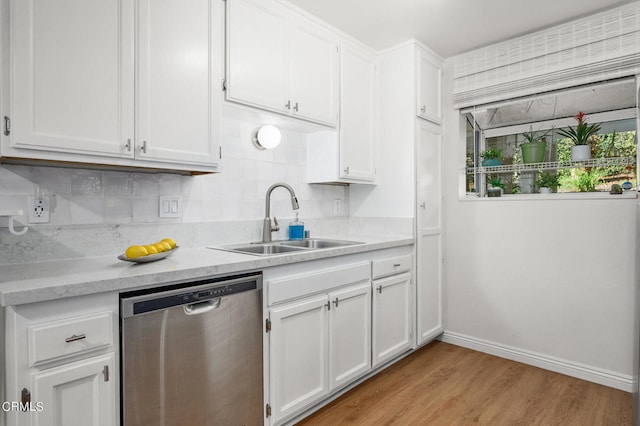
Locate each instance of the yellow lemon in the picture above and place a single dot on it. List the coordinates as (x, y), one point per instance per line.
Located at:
(136, 251)
(160, 247)
(171, 242)
(151, 249)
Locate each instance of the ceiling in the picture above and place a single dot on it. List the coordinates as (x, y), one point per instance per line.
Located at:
(448, 27)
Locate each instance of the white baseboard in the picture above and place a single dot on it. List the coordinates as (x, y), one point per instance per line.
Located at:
(559, 365)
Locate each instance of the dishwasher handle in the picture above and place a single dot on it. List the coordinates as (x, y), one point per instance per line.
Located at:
(202, 307)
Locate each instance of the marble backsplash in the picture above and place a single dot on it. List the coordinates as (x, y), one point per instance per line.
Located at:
(50, 242)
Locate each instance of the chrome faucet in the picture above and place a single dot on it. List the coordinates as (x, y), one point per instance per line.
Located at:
(267, 229)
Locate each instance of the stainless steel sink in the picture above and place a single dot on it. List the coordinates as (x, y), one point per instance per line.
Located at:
(263, 249)
(284, 247)
(317, 243)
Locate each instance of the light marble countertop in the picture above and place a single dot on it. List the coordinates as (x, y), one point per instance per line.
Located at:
(40, 281)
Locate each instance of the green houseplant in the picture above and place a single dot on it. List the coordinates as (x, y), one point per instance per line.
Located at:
(547, 182)
(580, 135)
(495, 188)
(534, 146)
(491, 157)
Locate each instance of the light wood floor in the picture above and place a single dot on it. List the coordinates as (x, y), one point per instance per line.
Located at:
(443, 384)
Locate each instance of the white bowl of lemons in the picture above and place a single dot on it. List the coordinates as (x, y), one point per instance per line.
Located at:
(149, 252)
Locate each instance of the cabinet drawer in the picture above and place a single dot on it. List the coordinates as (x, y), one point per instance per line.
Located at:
(56, 340)
(391, 265)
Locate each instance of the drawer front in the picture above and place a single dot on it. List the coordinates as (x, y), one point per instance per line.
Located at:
(391, 266)
(56, 340)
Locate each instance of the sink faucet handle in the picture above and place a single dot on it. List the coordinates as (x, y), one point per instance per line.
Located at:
(276, 226)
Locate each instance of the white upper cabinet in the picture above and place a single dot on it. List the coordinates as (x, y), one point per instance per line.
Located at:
(349, 154)
(71, 81)
(429, 96)
(257, 71)
(357, 109)
(281, 61)
(179, 74)
(99, 82)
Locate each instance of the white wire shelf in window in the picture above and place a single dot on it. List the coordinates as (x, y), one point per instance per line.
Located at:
(554, 165)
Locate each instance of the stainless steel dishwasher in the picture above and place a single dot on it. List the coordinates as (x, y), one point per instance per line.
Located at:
(192, 354)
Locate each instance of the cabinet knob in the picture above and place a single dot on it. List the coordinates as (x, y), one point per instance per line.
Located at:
(423, 109)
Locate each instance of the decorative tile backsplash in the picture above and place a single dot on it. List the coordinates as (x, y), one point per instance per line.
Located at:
(110, 200)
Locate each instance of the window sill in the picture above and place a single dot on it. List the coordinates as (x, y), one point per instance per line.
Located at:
(627, 195)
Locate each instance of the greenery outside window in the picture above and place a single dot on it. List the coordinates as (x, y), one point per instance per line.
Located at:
(496, 134)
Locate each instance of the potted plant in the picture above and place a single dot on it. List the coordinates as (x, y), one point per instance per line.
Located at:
(547, 182)
(495, 188)
(534, 146)
(580, 136)
(491, 157)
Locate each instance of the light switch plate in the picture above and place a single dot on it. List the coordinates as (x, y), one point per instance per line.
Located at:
(169, 206)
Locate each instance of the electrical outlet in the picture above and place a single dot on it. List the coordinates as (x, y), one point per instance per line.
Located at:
(38, 209)
(337, 207)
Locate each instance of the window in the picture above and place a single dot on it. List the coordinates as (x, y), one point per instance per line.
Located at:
(499, 160)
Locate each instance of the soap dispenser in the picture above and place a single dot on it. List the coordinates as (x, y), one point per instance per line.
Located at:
(296, 229)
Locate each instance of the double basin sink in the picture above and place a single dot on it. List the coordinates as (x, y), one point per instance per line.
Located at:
(287, 246)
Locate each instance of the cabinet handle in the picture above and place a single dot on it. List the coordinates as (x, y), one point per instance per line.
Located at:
(423, 109)
(74, 338)
(288, 105)
(295, 107)
(25, 399)
(127, 146)
(335, 302)
(143, 148)
(105, 371)
(328, 305)
(423, 205)
(396, 265)
(380, 289)
(346, 170)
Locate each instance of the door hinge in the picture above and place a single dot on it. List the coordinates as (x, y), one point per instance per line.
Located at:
(25, 399)
(224, 83)
(7, 126)
(267, 410)
(267, 325)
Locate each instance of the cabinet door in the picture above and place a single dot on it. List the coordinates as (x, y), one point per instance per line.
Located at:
(391, 317)
(179, 81)
(257, 71)
(299, 355)
(357, 106)
(429, 224)
(350, 333)
(77, 394)
(429, 88)
(72, 76)
(314, 72)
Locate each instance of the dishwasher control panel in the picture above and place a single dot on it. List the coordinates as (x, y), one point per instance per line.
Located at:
(135, 303)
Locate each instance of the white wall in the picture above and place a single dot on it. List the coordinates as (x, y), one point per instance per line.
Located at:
(549, 278)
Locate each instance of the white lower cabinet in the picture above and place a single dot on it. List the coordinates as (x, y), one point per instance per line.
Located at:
(350, 334)
(76, 394)
(320, 343)
(299, 355)
(392, 317)
(62, 366)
